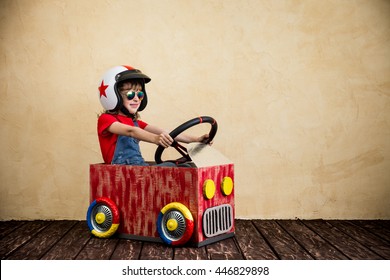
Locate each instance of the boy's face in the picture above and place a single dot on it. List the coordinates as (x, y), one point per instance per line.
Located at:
(131, 95)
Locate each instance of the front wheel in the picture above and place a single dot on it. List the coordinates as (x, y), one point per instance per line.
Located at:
(175, 224)
(103, 217)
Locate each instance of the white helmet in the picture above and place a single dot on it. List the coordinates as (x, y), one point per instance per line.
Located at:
(109, 95)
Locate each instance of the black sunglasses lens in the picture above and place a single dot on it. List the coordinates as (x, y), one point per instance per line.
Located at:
(130, 95)
(140, 95)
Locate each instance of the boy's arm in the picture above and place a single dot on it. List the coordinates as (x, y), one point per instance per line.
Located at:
(162, 138)
(185, 138)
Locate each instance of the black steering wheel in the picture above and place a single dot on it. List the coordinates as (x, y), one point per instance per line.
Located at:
(181, 128)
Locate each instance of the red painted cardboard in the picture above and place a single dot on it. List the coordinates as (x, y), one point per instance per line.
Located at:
(140, 192)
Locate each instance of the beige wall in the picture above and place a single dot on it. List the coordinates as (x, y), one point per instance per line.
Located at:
(300, 90)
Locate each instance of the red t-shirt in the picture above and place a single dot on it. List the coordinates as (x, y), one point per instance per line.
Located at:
(107, 139)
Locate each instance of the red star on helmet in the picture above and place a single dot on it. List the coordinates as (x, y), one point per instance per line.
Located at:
(102, 89)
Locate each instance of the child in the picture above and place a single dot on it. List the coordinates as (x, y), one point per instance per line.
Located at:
(122, 94)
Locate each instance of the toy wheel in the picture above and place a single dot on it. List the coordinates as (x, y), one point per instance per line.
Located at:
(175, 224)
(103, 217)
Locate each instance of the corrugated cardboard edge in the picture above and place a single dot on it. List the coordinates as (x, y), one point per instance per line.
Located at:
(204, 155)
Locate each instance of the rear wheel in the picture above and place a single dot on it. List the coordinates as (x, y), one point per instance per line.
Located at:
(103, 217)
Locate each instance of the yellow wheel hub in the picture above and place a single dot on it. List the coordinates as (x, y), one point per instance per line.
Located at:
(100, 218)
(172, 224)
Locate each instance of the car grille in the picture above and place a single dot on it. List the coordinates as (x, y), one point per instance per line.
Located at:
(217, 220)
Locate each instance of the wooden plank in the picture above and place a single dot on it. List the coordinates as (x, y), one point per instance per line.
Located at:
(189, 253)
(384, 223)
(375, 228)
(343, 242)
(258, 239)
(282, 243)
(41, 243)
(98, 249)
(7, 227)
(71, 244)
(156, 251)
(312, 242)
(127, 250)
(224, 250)
(364, 237)
(20, 236)
(252, 244)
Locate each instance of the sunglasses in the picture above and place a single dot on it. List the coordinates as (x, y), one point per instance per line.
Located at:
(131, 94)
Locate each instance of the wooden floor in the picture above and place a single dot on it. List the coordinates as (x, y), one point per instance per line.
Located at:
(254, 240)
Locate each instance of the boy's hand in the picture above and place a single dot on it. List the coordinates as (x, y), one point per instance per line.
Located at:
(164, 139)
(204, 138)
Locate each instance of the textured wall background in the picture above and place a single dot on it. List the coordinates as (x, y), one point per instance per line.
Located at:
(300, 89)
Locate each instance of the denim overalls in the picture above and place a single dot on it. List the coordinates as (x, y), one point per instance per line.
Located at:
(127, 151)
